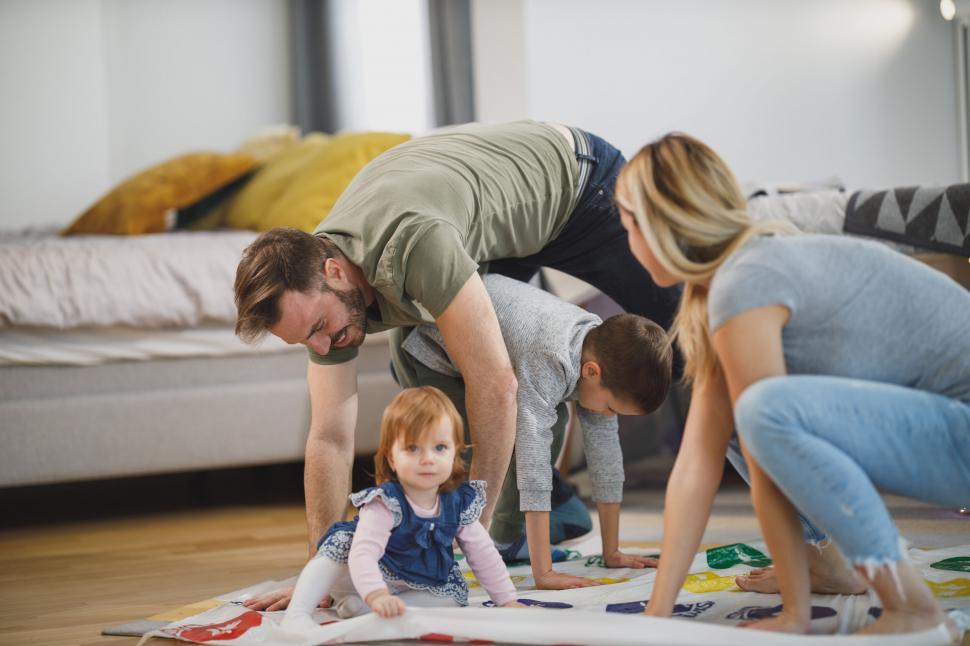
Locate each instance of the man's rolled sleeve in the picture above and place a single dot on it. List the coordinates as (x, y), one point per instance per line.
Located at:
(335, 356)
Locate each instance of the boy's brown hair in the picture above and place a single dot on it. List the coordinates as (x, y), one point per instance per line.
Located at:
(635, 359)
(412, 413)
(278, 260)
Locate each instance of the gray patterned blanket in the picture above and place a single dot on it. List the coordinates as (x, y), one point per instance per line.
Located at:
(935, 218)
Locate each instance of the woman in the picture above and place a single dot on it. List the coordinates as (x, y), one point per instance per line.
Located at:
(843, 366)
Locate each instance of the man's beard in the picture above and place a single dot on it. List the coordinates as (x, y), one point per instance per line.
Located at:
(353, 299)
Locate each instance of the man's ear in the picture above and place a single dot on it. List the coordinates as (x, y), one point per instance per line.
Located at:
(332, 270)
(591, 370)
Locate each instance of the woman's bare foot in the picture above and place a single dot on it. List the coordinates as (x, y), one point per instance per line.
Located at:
(908, 605)
(899, 622)
(827, 569)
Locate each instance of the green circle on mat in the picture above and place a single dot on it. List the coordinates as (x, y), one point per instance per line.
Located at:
(721, 558)
(957, 563)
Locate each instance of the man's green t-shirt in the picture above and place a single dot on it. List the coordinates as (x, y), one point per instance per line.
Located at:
(420, 219)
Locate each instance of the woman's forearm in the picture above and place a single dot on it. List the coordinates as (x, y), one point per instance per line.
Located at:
(691, 488)
(687, 507)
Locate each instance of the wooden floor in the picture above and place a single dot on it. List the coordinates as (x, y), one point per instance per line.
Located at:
(62, 583)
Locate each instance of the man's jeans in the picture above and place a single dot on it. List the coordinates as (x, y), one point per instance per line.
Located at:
(593, 245)
(830, 442)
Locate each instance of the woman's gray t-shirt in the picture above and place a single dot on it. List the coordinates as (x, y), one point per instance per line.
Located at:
(858, 310)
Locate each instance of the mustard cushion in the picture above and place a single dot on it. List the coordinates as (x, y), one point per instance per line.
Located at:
(265, 188)
(299, 187)
(140, 203)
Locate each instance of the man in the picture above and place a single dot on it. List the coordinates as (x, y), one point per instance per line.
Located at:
(404, 244)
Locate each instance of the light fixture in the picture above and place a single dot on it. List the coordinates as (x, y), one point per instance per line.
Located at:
(947, 9)
(959, 9)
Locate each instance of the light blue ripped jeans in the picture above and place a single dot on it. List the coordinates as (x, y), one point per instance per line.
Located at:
(829, 443)
(812, 534)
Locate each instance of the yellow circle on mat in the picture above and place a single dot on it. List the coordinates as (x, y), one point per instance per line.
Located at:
(708, 582)
(950, 589)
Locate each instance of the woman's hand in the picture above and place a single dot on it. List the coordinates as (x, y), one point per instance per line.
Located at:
(385, 604)
(553, 580)
(619, 559)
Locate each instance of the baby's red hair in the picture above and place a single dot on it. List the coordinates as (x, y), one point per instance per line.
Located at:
(412, 413)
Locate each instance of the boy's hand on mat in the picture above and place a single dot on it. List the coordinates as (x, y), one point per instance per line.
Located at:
(619, 559)
(553, 580)
(279, 600)
(385, 604)
(514, 604)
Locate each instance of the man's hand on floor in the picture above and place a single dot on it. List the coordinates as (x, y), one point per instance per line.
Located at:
(278, 600)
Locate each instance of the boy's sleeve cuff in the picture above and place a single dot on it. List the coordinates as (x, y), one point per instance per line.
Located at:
(608, 491)
(535, 500)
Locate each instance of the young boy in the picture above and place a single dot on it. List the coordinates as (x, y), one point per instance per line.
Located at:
(560, 353)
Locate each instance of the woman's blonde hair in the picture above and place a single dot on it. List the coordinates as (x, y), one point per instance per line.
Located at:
(412, 413)
(690, 210)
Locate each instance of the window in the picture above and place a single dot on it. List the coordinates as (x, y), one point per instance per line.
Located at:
(382, 64)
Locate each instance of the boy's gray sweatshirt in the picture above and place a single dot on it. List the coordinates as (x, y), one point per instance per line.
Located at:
(544, 336)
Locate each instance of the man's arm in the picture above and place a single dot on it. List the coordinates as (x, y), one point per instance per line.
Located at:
(329, 445)
(329, 455)
(474, 340)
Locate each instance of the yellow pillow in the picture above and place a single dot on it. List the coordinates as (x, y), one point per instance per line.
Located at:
(299, 187)
(265, 188)
(140, 203)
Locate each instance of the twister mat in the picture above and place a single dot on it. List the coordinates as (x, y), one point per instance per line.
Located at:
(708, 609)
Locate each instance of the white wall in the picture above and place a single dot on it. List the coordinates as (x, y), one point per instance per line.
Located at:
(784, 90)
(53, 121)
(95, 90)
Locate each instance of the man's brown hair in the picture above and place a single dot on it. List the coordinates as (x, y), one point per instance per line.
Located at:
(412, 413)
(278, 260)
(635, 358)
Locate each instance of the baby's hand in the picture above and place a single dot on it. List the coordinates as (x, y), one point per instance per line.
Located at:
(385, 604)
(514, 604)
(553, 580)
(619, 559)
